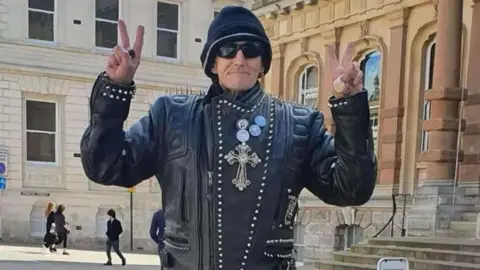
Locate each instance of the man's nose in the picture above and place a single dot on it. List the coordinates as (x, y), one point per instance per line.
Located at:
(239, 58)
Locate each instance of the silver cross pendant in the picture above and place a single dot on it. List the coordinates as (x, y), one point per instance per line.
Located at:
(241, 156)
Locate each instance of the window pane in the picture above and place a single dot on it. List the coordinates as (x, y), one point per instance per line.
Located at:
(40, 26)
(166, 44)
(371, 79)
(215, 14)
(106, 34)
(41, 116)
(40, 147)
(312, 74)
(167, 16)
(432, 64)
(42, 4)
(106, 9)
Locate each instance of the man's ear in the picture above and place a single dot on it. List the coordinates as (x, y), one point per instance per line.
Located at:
(262, 72)
(214, 69)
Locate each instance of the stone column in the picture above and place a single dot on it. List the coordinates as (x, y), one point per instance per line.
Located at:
(332, 37)
(431, 211)
(470, 166)
(392, 108)
(445, 95)
(277, 69)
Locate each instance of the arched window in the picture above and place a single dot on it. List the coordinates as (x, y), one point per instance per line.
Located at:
(308, 86)
(428, 64)
(38, 221)
(101, 219)
(371, 65)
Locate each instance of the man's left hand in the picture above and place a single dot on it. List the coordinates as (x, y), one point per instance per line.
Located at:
(347, 78)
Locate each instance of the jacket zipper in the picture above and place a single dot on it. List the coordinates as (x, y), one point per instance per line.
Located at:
(210, 161)
(207, 119)
(200, 195)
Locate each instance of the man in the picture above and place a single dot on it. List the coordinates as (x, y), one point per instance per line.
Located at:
(114, 230)
(157, 230)
(232, 163)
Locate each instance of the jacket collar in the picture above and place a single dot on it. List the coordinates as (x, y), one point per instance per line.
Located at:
(246, 98)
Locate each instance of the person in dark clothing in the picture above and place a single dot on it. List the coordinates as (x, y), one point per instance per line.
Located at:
(50, 235)
(114, 230)
(231, 164)
(61, 227)
(157, 230)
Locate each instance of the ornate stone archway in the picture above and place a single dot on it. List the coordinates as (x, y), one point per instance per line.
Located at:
(295, 69)
(37, 217)
(414, 96)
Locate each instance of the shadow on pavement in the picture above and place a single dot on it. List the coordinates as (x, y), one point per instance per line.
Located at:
(57, 265)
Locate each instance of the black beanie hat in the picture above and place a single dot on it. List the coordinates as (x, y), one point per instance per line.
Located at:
(234, 23)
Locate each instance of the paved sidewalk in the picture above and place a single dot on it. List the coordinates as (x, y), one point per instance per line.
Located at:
(27, 258)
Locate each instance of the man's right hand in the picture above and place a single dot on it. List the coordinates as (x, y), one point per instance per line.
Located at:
(121, 67)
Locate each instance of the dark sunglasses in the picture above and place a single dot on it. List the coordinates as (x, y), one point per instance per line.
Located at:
(249, 50)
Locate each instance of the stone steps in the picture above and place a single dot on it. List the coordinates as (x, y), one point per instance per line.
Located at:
(334, 265)
(422, 253)
(418, 253)
(428, 242)
(469, 216)
(417, 264)
(460, 229)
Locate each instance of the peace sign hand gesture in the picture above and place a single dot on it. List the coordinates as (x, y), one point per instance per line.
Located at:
(347, 78)
(124, 61)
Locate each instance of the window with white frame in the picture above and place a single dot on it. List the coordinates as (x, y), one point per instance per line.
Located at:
(371, 66)
(215, 14)
(429, 59)
(346, 236)
(168, 29)
(41, 131)
(308, 86)
(106, 17)
(41, 23)
(374, 125)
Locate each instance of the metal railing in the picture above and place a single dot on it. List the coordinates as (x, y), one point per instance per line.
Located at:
(391, 222)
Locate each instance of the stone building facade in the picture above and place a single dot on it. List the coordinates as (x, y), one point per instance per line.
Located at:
(50, 54)
(421, 72)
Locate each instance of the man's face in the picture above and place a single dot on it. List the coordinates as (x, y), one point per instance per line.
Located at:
(238, 65)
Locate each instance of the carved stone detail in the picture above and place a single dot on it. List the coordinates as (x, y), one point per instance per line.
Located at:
(364, 28)
(304, 45)
(269, 29)
(435, 8)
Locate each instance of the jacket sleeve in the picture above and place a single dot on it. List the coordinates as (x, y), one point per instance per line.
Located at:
(110, 155)
(342, 170)
(154, 228)
(119, 227)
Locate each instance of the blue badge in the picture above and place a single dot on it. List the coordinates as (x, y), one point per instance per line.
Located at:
(243, 135)
(260, 121)
(242, 124)
(255, 130)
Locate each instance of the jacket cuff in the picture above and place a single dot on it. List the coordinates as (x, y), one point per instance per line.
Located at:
(352, 105)
(109, 99)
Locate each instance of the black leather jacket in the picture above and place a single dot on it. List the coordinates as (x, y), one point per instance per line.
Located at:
(185, 142)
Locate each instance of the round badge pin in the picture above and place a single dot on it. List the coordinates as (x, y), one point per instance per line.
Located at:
(254, 130)
(242, 124)
(243, 135)
(260, 121)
